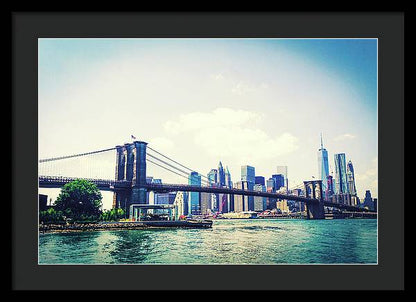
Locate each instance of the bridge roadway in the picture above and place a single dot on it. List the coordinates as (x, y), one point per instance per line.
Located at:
(120, 185)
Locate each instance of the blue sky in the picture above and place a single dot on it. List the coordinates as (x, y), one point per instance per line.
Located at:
(262, 102)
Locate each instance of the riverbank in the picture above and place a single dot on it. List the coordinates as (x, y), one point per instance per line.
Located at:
(128, 225)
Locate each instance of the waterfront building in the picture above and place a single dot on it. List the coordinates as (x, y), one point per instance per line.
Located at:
(330, 187)
(214, 202)
(282, 206)
(340, 174)
(279, 181)
(260, 203)
(323, 167)
(355, 201)
(259, 180)
(368, 200)
(223, 203)
(351, 179)
(194, 207)
(243, 203)
(164, 198)
(179, 203)
(271, 202)
(205, 203)
(300, 205)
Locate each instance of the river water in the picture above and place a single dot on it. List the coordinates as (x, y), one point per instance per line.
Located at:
(245, 241)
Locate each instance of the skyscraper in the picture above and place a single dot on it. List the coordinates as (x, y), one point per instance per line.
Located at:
(205, 201)
(248, 173)
(351, 179)
(368, 200)
(271, 185)
(228, 181)
(243, 203)
(259, 180)
(260, 203)
(323, 167)
(283, 170)
(330, 186)
(221, 175)
(279, 181)
(340, 174)
(194, 179)
(213, 176)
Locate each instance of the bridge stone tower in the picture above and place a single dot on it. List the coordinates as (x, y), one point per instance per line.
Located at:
(131, 167)
(313, 189)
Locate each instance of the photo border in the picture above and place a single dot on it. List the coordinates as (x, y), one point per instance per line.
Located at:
(388, 28)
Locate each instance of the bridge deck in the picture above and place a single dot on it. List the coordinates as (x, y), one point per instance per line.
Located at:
(115, 185)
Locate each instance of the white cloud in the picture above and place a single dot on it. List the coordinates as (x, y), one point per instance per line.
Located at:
(242, 88)
(161, 143)
(217, 76)
(232, 134)
(220, 117)
(368, 180)
(344, 137)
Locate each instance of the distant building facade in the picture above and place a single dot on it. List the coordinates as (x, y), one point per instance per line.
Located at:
(279, 181)
(283, 171)
(194, 207)
(341, 186)
(260, 203)
(351, 179)
(323, 166)
(259, 180)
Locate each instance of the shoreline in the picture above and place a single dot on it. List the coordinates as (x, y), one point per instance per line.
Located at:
(113, 226)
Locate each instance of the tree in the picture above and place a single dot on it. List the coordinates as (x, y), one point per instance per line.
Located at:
(50, 216)
(112, 215)
(79, 198)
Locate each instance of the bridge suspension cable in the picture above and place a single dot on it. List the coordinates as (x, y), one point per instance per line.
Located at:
(74, 155)
(166, 163)
(175, 172)
(192, 170)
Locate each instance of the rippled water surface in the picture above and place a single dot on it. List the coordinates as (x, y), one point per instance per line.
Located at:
(256, 241)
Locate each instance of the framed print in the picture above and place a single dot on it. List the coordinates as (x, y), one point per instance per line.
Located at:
(254, 145)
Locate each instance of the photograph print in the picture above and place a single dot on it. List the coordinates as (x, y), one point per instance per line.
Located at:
(207, 151)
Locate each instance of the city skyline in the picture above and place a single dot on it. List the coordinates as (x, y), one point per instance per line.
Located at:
(257, 102)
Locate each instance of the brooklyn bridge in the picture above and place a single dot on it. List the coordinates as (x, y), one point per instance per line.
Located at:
(131, 185)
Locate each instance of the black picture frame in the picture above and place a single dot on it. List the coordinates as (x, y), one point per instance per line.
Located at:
(387, 27)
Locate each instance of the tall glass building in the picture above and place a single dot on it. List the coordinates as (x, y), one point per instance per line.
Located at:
(283, 170)
(279, 180)
(341, 184)
(228, 181)
(259, 180)
(194, 179)
(323, 167)
(351, 179)
(212, 176)
(248, 173)
(221, 175)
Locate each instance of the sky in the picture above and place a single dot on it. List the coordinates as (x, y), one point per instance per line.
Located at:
(258, 102)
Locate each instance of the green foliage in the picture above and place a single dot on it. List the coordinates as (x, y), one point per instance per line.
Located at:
(112, 215)
(80, 200)
(51, 216)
